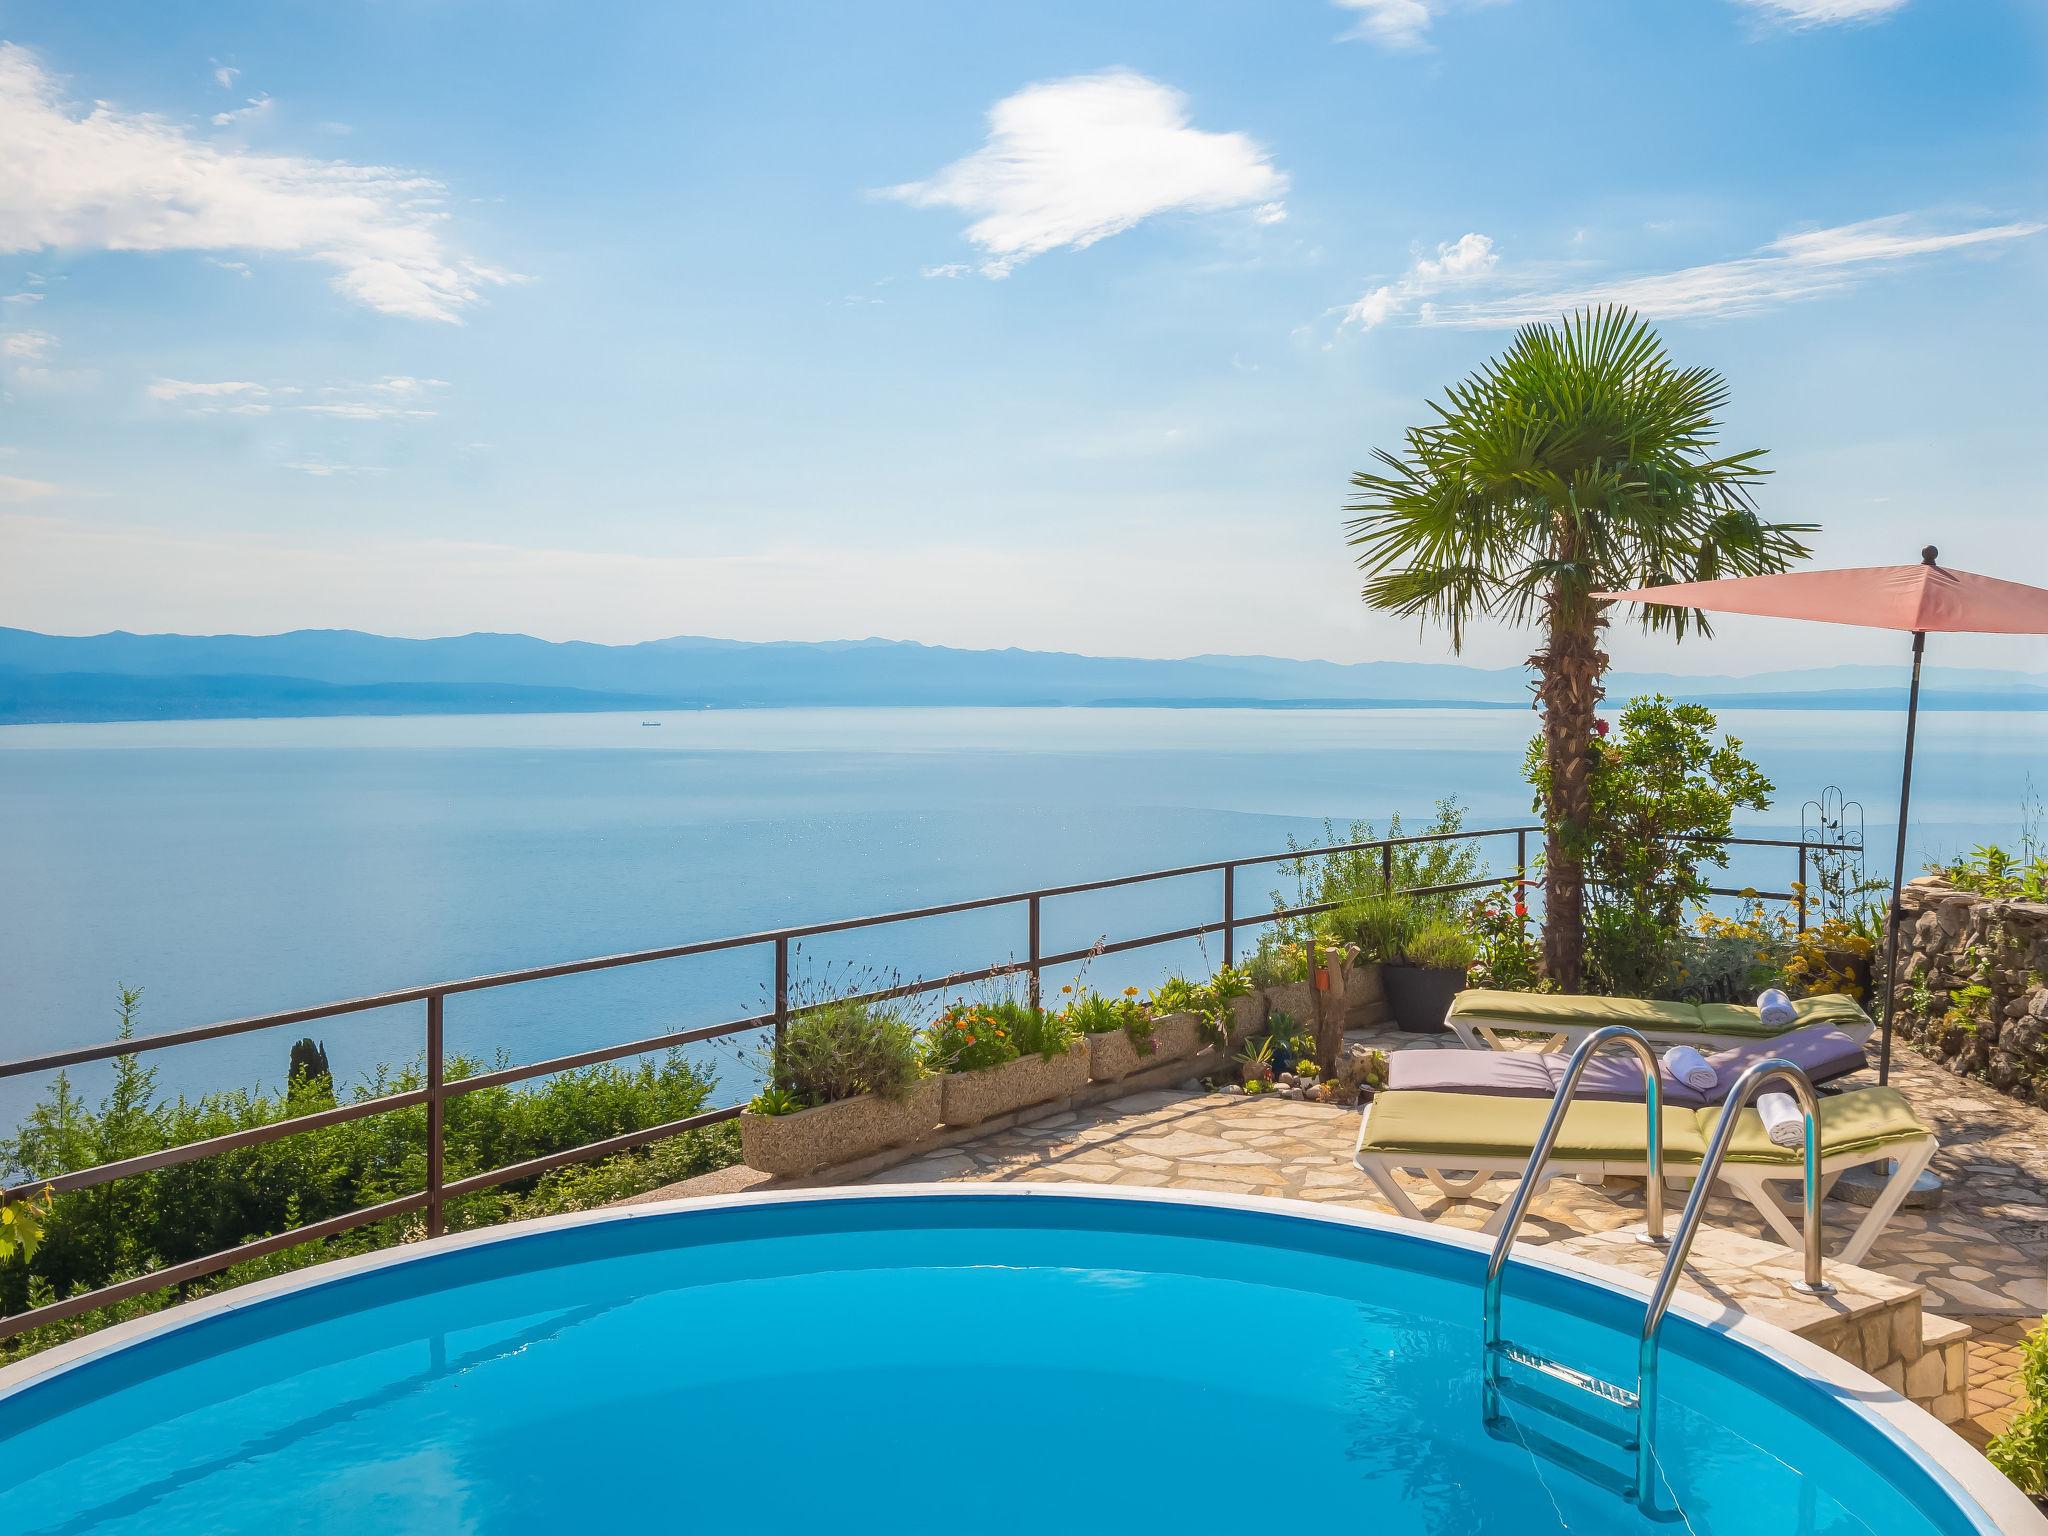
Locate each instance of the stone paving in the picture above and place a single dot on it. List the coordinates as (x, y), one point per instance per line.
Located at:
(1982, 1252)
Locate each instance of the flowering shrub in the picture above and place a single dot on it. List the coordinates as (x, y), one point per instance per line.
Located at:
(968, 1037)
(1731, 959)
(1818, 964)
(1276, 962)
(1509, 960)
(1097, 1013)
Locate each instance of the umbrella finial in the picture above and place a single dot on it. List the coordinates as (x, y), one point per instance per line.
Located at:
(1928, 553)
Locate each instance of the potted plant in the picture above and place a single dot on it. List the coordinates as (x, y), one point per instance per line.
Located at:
(1429, 971)
(844, 1083)
(996, 1057)
(1255, 1063)
(1286, 1043)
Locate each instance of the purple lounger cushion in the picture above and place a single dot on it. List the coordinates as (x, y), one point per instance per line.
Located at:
(1823, 1051)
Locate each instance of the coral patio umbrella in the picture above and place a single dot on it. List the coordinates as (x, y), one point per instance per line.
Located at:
(1921, 599)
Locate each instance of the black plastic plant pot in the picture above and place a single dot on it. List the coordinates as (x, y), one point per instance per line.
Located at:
(1419, 996)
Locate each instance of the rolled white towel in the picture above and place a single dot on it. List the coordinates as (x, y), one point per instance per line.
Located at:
(1783, 1122)
(1776, 1008)
(1690, 1068)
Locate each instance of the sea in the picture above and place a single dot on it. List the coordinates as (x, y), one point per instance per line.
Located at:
(229, 868)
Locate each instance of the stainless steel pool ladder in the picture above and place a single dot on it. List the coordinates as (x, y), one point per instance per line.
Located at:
(1638, 1408)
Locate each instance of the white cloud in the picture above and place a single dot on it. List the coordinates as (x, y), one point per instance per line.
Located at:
(26, 346)
(364, 410)
(257, 106)
(1402, 25)
(328, 469)
(1463, 260)
(22, 298)
(395, 397)
(948, 269)
(225, 76)
(405, 384)
(1070, 162)
(239, 268)
(186, 389)
(15, 488)
(1792, 268)
(1824, 13)
(107, 179)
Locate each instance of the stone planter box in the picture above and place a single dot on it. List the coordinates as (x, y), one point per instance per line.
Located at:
(968, 1098)
(790, 1146)
(1247, 1017)
(1113, 1055)
(1296, 999)
(1365, 995)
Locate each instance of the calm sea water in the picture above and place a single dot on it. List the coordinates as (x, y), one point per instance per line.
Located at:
(240, 867)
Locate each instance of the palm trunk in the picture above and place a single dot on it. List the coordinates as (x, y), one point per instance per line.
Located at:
(1568, 692)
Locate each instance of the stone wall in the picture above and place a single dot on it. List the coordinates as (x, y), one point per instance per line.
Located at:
(1951, 941)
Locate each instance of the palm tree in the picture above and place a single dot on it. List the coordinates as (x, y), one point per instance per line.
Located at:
(1581, 460)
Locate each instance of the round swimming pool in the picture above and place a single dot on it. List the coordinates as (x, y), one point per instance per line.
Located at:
(1016, 1359)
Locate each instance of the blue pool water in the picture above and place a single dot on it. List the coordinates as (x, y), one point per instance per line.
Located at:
(966, 1363)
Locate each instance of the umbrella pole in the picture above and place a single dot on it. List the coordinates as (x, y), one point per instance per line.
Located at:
(1891, 927)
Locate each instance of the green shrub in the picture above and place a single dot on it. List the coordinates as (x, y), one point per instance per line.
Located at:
(1439, 945)
(148, 1221)
(1729, 959)
(1383, 924)
(1508, 957)
(1321, 879)
(842, 1049)
(1276, 961)
(1096, 1013)
(1664, 789)
(1209, 1001)
(2021, 1452)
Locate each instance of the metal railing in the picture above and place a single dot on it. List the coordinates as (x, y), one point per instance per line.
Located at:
(438, 1089)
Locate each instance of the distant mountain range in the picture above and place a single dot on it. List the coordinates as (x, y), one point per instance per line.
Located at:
(122, 676)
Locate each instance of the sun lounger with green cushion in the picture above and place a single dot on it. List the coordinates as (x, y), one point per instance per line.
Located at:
(1477, 1017)
(1458, 1141)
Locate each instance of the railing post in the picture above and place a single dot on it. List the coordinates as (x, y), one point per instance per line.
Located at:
(1522, 859)
(1387, 867)
(781, 992)
(1230, 914)
(437, 1115)
(1802, 887)
(1034, 949)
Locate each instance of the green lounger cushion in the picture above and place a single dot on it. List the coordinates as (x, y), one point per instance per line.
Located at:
(1862, 1121)
(1548, 1010)
(1445, 1126)
(1442, 1127)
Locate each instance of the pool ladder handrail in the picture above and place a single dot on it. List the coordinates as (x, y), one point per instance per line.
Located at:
(1813, 1279)
(1641, 1404)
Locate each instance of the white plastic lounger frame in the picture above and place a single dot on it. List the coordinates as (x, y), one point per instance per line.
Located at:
(1483, 1034)
(1461, 1175)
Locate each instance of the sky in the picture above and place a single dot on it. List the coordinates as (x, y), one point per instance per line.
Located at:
(1058, 325)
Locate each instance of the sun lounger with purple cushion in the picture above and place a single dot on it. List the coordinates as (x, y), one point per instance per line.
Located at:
(1824, 1051)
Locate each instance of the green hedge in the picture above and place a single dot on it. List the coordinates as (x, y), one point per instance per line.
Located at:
(134, 1225)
